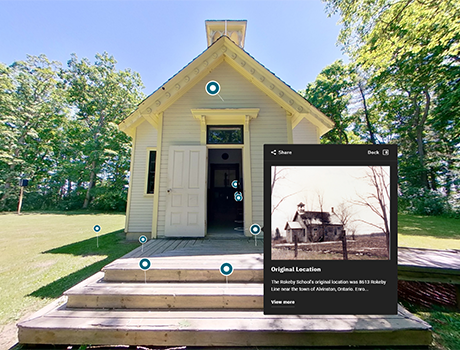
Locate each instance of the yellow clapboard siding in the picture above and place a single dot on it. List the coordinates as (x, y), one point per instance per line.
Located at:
(141, 206)
(180, 128)
(305, 132)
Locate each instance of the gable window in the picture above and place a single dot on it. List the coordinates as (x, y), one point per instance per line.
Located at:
(151, 172)
(225, 134)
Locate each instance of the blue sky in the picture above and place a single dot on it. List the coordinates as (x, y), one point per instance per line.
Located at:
(294, 39)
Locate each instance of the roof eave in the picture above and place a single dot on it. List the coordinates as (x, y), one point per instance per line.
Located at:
(225, 49)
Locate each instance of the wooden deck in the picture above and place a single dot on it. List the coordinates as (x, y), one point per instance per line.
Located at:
(221, 328)
(429, 265)
(196, 247)
(186, 301)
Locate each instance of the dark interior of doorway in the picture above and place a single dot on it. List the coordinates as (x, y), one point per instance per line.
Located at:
(225, 214)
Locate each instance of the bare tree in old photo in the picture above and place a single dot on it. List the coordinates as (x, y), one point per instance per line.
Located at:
(378, 200)
(277, 176)
(345, 213)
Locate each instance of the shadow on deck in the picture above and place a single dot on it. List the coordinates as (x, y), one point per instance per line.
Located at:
(183, 300)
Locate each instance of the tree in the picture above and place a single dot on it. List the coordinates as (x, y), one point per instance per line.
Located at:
(379, 32)
(344, 212)
(277, 234)
(352, 228)
(331, 93)
(279, 174)
(58, 127)
(31, 116)
(378, 201)
(409, 50)
(365, 120)
(101, 97)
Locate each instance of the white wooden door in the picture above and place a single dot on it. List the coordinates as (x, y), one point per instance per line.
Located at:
(186, 197)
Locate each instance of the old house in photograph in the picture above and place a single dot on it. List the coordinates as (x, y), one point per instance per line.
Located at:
(314, 226)
(203, 129)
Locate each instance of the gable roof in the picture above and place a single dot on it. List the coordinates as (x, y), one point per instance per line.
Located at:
(318, 218)
(293, 225)
(225, 50)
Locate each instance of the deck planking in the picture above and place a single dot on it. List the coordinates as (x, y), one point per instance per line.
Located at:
(429, 265)
(222, 328)
(191, 308)
(94, 293)
(187, 268)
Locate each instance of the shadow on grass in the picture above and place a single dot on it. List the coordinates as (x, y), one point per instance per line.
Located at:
(56, 288)
(107, 244)
(432, 226)
(111, 244)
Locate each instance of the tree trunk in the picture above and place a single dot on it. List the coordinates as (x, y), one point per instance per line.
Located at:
(449, 178)
(433, 184)
(21, 195)
(366, 115)
(344, 246)
(91, 184)
(420, 125)
(295, 245)
(421, 158)
(9, 179)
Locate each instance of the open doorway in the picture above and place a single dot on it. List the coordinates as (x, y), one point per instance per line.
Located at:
(225, 214)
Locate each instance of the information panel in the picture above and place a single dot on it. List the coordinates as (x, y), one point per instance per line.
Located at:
(330, 229)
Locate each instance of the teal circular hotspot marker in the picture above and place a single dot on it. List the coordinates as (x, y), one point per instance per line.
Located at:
(235, 183)
(254, 229)
(226, 269)
(238, 196)
(142, 239)
(97, 228)
(144, 264)
(212, 88)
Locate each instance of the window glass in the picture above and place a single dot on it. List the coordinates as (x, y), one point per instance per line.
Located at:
(151, 172)
(225, 134)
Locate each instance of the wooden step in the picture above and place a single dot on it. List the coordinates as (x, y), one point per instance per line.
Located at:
(68, 326)
(227, 311)
(96, 293)
(248, 268)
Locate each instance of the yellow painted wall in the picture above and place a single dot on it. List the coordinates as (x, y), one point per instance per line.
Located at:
(140, 204)
(180, 128)
(305, 132)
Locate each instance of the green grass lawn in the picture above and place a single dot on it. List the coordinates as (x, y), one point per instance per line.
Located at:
(42, 255)
(435, 233)
(428, 232)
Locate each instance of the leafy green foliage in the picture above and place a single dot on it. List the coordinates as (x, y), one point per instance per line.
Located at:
(58, 128)
(408, 50)
(331, 94)
(102, 97)
(32, 113)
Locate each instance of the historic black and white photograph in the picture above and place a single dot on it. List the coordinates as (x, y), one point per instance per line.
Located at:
(330, 212)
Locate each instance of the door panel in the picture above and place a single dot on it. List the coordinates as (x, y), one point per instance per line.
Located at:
(185, 200)
(223, 210)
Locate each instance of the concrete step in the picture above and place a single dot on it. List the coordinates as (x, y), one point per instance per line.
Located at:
(96, 293)
(63, 325)
(248, 268)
